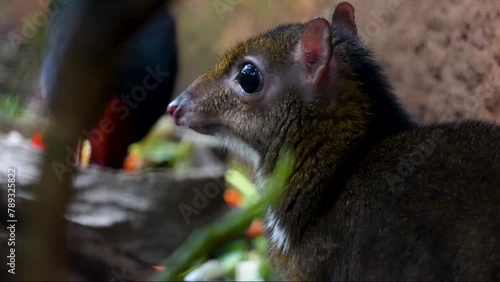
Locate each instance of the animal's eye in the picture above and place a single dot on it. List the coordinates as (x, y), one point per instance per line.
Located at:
(249, 78)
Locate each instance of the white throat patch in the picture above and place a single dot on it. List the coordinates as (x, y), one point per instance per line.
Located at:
(278, 235)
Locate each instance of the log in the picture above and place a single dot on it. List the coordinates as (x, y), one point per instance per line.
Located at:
(147, 213)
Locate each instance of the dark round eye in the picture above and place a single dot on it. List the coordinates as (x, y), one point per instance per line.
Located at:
(249, 78)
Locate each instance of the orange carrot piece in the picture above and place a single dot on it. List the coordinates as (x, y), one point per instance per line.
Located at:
(232, 197)
(131, 163)
(158, 268)
(36, 141)
(255, 229)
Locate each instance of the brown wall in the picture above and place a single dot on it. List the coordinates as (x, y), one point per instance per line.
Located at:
(443, 56)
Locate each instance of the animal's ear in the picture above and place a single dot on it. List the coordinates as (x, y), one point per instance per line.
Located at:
(343, 18)
(315, 49)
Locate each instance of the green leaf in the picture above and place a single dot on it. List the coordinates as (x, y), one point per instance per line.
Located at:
(208, 240)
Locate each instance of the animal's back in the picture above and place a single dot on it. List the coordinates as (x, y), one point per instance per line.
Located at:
(424, 204)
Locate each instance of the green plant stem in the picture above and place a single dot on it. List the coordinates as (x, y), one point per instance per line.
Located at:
(205, 241)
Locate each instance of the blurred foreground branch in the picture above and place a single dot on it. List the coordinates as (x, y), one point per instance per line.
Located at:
(96, 29)
(206, 241)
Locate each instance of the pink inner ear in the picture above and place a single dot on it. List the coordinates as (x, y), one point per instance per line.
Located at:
(316, 45)
(311, 51)
(343, 17)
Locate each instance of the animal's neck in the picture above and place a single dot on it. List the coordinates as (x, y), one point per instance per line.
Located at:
(318, 141)
(324, 151)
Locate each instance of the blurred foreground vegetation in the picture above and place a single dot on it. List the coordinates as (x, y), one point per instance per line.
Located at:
(240, 259)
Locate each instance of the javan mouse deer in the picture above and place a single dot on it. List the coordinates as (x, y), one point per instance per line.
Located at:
(372, 195)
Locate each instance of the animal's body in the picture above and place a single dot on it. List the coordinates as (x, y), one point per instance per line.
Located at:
(372, 195)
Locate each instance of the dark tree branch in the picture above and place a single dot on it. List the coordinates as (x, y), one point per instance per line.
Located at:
(97, 30)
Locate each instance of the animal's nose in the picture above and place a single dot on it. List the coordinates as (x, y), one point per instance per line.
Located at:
(174, 110)
(172, 107)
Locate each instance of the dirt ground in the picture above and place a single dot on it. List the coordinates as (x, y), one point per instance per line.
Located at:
(443, 57)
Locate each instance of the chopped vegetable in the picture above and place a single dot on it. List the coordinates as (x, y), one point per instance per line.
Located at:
(36, 141)
(132, 163)
(255, 229)
(232, 197)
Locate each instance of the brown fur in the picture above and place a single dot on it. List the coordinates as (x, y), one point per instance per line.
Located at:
(353, 208)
